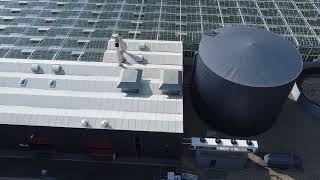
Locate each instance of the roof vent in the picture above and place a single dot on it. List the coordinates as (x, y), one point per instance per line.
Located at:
(134, 32)
(136, 14)
(88, 31)
(139, 58)
(92, 21)
(77, 53)
(61, 3)
(52, 84)
(99, 5)
(27, 51)
(171, 81)
(36, 40)
(96, 12)
(249, 142)
(130, 80)
(56, 68)
(55, 11)
(22, 3)
(85, 123)
(139, 23)
(8, 19)
(49, 20)
(142, 46)
(43, 29)
(203, 140)
(35, 68)
(23, 82)
(83, 41)
(14, 10)
(218, 141)
(105, 124)
(233, 141)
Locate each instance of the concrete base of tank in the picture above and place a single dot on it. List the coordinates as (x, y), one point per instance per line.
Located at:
(294, 131)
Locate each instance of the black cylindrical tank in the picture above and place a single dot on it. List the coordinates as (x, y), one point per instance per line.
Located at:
(308, 84)
(242, 77)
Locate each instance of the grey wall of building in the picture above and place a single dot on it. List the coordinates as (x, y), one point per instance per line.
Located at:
(69, 140)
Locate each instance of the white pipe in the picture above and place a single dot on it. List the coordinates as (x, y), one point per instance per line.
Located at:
(118, 43)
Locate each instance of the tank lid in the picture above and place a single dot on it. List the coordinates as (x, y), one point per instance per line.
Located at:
(250, 56)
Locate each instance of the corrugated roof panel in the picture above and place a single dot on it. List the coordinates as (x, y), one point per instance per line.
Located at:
(87, 95)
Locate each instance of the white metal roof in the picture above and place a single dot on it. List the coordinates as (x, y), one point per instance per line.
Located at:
(88, 91)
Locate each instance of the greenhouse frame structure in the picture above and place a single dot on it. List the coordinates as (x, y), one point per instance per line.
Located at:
(79, 30)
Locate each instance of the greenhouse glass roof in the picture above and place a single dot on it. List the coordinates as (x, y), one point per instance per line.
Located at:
(79, 30)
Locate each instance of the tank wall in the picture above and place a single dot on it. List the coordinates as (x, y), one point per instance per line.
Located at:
(234, 108)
